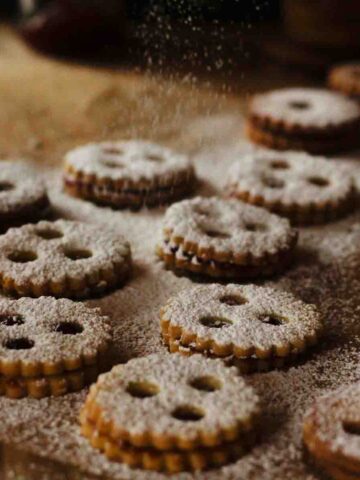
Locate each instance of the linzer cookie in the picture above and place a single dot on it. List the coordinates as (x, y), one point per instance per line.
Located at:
(169, 413)
(314, 120)
(23, 197)
(225, 239)
(128, 174)
(240, 323)
(63, 259)
(331, 433)
(49, 346)
(346, 79)
(296, 185)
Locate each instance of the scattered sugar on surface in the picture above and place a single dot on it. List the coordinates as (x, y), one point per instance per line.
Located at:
(325, 272)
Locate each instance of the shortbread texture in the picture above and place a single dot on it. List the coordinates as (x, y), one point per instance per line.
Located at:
(244, 320)
(303, 187)
(231, 407)
(63, 258)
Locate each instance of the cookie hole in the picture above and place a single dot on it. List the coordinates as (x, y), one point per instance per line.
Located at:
(112, 151)
(279, 165)
(271, 320)
(318, 181)
(112, 164)
(10, 320)
(233, 300)
(49, 234)
(22, 256)
(6, 186)
(254, 227)
(206, 383)
(78, 254)
(152, 157)
(19, 344)
(272, 182)
(299, 105)
(215, 322)
(188, 413)
(69, 328)
(352, 428)
(142, 389)
(216, 234)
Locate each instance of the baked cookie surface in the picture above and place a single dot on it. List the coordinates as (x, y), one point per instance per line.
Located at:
(63, 259)
(225, 238)
(304, 188)
(128, 174)
(315, 120)
(23, 196)
(346, 79)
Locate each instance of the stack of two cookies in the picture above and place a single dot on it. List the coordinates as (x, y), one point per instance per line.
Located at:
(172, 414)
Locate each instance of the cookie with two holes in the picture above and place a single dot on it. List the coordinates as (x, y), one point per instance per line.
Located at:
(50, 346)
(331, 433)
(128, 174)
(318, 121)
(254, 328)
(307, 189)
(225, 239)
(169, 413)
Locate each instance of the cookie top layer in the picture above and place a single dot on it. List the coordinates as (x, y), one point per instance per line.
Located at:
(60, 250)
(128, 161)
(227, 226)
(334, 421)
(304, 108)
(47, 331)
(289, 178)
(175, 397)
(19, 187)
(247, 317)
(346, 78)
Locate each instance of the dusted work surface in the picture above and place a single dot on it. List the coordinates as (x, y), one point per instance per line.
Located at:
(49, 107)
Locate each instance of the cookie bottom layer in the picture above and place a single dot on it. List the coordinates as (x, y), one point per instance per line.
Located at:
(133, 199)
(283, 141)
(191, 264)
(105, 280)
(302, 215)
(45, 386)
(172, 461)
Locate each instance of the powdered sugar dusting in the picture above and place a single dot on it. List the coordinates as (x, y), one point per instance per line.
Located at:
(325, 273)
(290, 178)
(306, 107)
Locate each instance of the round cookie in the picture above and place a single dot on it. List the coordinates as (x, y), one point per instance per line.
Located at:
(225, 239)
(346, 79)
(246, 322)
(128, 174)
(315, 120)
(304, 188)
(49, 346)
(23, 196)
(63, 259)
(169, 404)
(331, 432)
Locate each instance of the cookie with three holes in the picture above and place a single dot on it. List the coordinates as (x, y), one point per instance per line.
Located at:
(246, 324)
(50, 346)
(314, 120)
(346, 79)
(23, 196)
(331, 432)
(128, 174)
(304, 188)
(63, 259)
(225, 239)
(169, 413)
